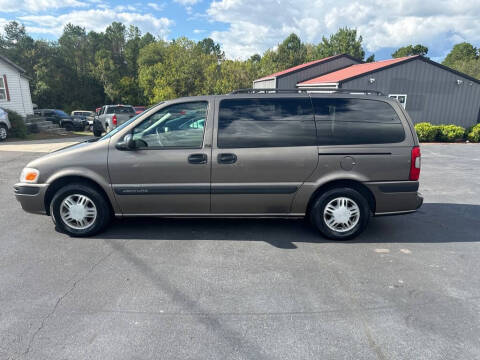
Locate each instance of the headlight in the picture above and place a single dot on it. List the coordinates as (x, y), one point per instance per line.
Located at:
(29, 175)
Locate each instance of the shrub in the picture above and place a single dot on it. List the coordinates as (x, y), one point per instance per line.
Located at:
(474, 133)
(450, 133)
(426, 131)
(19, 129)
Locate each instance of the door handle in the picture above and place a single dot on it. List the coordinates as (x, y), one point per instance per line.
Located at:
(197, 159)
(227, 158)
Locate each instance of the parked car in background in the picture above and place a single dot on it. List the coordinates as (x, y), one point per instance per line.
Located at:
(86, 115)
(139, 109)
(111, 116)
(83, 113)
(61, 118)
(335, 158)
(5, 125)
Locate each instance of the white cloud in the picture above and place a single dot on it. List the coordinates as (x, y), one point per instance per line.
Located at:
(187, 2)
(195, 31)
(3, 22)
(38, 5)
(255, 26)
(97, 20)
(157, 6)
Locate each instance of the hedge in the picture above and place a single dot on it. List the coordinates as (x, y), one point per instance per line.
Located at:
(18, 130)
(474, 133)
(450, 133)
(446, 133)
(426, 131)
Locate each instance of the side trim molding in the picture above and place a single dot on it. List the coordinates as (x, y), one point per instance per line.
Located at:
(356, 153)
(162, 190)
(203, 189)
(254, 189)
(408, 186)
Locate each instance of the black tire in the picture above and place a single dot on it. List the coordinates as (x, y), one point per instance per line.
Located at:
(3, 132)
(101, 204)
(318, 208)
(68, 126)
(97, 132)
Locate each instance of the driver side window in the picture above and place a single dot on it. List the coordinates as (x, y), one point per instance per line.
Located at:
(176, 126)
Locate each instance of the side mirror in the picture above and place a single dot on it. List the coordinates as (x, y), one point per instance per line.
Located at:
(127, 143)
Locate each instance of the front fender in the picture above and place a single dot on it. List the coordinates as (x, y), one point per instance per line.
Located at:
(87, 174)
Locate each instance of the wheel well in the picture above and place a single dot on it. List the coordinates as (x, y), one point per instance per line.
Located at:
(362, 189)
(63, 181)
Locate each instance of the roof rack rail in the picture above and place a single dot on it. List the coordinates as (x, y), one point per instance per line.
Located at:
(306, 89)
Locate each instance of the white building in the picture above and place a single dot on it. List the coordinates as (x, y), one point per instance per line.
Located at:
(14, 88)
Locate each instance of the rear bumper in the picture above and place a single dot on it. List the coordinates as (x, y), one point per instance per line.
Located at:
(31, 197)
(395, 197)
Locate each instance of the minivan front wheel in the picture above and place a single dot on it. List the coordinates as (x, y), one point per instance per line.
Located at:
(340, 214)
(80, 210)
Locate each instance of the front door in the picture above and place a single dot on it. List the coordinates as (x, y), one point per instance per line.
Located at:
(264, 149)
(169, 170)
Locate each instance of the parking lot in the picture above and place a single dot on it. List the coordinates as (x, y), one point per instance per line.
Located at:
(407, 288)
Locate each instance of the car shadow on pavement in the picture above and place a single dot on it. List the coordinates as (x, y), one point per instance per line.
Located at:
(432, 223)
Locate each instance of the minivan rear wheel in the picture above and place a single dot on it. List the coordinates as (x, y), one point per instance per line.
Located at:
(340, 213)
(80, 210)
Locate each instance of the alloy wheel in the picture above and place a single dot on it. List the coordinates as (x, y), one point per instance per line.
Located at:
(341, 214)
(78, 211)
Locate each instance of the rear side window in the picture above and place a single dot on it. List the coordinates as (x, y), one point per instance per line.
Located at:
(356, 121)
(253, 123)
(120, 110)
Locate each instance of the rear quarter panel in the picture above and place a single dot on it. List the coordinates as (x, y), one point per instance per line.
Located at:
(369, 163)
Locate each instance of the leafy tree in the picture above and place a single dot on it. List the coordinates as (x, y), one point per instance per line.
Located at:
(16, 45)
(344, 41)
(470, 67)
(255, 58)
(209, 47)
(410, 50)
(291, 52)
(172, 71)
(461, 52)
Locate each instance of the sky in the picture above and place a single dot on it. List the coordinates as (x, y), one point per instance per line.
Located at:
(246, 27)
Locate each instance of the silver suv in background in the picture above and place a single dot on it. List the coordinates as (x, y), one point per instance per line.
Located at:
(111, 116)
(5, 125)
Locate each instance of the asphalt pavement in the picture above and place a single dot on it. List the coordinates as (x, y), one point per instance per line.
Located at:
(408, 288)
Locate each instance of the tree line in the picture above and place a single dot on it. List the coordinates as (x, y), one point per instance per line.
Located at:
(84, 70)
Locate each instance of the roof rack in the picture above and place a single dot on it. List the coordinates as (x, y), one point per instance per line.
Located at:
(306, 89)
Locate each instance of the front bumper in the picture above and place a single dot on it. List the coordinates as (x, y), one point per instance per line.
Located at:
(31, 197)
(395, 197)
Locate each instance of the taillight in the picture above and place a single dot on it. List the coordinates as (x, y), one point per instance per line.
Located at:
(415, 164)
(114, 119)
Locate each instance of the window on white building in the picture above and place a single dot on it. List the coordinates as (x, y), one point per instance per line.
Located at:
(3, 90)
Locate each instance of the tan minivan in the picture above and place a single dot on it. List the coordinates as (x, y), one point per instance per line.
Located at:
(337, 158)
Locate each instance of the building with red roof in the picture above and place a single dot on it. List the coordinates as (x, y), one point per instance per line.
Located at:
(429, 91)
(288, 79)
(350, 72)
